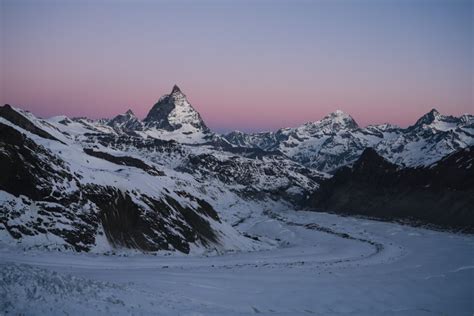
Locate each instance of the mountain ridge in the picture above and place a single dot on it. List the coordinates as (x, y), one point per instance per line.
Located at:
(331, 143)
(182, 187)
(325, 145)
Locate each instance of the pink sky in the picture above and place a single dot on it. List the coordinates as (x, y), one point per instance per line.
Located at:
(243, 65)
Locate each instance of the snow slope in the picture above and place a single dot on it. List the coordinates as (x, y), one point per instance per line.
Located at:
(61, 197)
(325, 264)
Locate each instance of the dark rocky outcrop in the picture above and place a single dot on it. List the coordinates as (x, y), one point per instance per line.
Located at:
(127, 123)
(166, 225)
(441, 194)
(8, 113)
(27, 168)
(124, 161)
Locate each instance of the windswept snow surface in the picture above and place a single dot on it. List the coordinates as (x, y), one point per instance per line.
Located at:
(324, 265)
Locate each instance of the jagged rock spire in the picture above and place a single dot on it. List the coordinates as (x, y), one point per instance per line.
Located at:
(174, 112)
(428, 118)
(126, 122)
(175, 89)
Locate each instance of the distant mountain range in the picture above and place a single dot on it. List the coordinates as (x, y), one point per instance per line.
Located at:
(324, 145)
(169, 183)
(337, 140)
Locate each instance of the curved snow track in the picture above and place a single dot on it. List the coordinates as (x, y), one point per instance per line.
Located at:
(286, 255)
(324, 264)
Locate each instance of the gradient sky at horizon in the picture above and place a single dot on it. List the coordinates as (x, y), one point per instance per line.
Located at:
(247, 65)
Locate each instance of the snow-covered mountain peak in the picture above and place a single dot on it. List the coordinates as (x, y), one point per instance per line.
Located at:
(126, 122)
(126, 116)
(130, 113)
(429, 118)
(434, 121)
(338, 113)
(176, 89)
(173, 112)
(467, 119)
(337, 140)
(383, 127)
(434, 112)
(335, 121)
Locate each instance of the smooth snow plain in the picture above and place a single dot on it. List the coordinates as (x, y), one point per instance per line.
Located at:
(324, 264)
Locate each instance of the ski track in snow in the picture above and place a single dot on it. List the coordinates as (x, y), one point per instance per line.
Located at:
(326, 265)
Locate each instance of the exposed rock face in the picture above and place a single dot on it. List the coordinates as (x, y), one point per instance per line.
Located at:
(440, 194)
(173, 112)
(26, 168)
(44, 203)
(160, 225)
(127, 122)
(272, 177)
(33, 184)
(16, 118)
(125, 161)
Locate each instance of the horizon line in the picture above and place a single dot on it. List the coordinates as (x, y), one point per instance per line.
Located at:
(247, 131)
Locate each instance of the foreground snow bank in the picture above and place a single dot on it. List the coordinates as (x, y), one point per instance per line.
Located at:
(32, 291)
(325, 264)
(27, 290)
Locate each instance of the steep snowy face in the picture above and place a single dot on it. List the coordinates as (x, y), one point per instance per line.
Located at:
(435, 121)
(126, 122)
(432, 137)
(287, 139)
(265, 140)
(326, 144)
(173, 112)
(330, 124)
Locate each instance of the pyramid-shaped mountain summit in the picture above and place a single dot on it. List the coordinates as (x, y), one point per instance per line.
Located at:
(173, 112)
